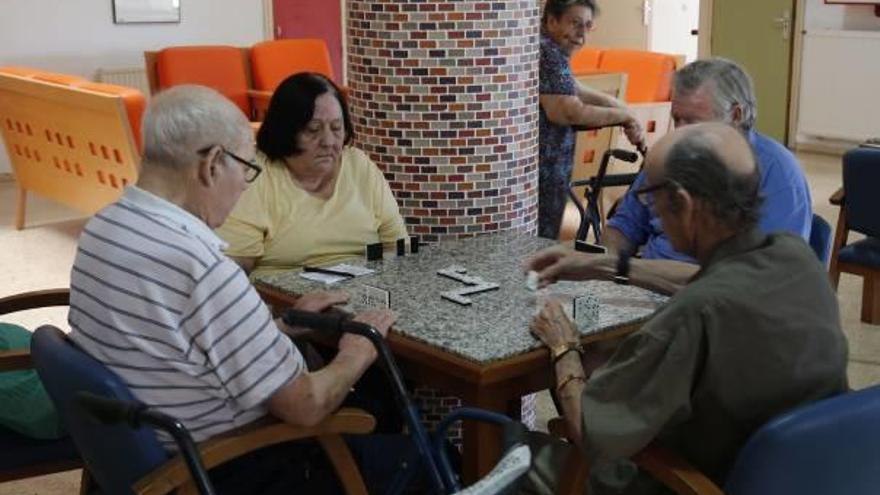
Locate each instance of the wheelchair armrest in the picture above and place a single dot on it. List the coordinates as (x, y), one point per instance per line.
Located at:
(34, 299)
(174, 474)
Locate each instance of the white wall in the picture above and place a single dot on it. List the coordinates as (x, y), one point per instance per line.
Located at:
(79, 37)
(820, 15)
(671, 25)
(831, 108)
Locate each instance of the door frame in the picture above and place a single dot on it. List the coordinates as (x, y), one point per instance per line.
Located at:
(269, 30)
(797, 46)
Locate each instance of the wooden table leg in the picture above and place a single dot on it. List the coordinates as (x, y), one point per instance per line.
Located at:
(20, 206)
(871, 298)
(482, 441)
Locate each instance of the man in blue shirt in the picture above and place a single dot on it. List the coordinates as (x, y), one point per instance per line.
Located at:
(716, 90)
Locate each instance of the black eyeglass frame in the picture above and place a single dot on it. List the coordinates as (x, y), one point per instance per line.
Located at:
(642, 193)
(250, 164)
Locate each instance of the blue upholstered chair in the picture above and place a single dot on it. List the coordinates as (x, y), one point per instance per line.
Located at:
(820, 238)
(21, 456)
(825, 448)
(860, 212)
(122, 460)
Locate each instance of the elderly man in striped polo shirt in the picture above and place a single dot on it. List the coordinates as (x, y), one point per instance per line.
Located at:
(155, 299)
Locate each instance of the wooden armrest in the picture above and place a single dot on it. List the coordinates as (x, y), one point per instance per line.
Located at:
(19, 359)
(174, 473)
(837, 198)
(674, 472)
(558, 428)
(35, 299)
(260, 95)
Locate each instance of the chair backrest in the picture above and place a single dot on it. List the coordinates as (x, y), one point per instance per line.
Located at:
(585, 60)
(116, 456)
(861, 175)
(827, 447)
(820, 238)
(218, 67)
(52, 77)
(135, 104)
(650, 73)
(275, 60)
(69, 144)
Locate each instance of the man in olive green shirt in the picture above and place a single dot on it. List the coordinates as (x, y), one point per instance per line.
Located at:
(756, 332)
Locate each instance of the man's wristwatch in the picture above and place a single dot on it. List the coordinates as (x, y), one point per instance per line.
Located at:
(560, 350)
(621, 276)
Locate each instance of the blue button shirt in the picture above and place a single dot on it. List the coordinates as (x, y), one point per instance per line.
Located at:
(787, 207)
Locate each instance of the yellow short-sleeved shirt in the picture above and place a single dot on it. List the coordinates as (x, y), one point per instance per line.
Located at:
(286, 227)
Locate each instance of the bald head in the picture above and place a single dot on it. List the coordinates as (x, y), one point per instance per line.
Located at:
(714, 163)
(185, 119)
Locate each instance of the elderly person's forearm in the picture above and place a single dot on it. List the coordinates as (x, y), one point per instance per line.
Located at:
(591, 96)
(570, 382)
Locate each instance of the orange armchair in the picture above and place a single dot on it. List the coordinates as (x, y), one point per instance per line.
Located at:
(68, 139)
(586, 60)
(272, 61)
(650, 73)
(222, 68)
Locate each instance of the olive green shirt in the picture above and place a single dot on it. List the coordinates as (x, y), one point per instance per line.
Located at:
(755, 333)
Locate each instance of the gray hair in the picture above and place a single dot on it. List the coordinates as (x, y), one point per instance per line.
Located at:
(733, 197)
(730, 86)
(185, 119)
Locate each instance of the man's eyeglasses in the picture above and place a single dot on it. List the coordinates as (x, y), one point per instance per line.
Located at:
(645, 195)
(251, 171)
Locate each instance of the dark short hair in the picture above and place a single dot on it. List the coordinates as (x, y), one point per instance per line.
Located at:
(291, 108)
(734, 198)
(557, 8)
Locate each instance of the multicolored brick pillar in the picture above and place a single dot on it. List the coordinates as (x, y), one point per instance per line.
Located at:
(444, 97)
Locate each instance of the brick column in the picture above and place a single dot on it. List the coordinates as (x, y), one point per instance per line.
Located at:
(444, 98)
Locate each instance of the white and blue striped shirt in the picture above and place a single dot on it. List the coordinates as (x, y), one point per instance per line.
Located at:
(153, 297)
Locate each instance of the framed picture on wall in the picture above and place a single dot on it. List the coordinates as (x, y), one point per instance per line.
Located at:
(139, 11)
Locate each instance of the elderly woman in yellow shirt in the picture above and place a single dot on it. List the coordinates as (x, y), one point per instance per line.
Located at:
(319, 200)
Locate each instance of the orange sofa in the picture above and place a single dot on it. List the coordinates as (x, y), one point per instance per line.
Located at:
(649, 74)
(69, 139)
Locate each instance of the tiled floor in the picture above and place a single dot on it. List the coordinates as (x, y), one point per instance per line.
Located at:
(40, 257)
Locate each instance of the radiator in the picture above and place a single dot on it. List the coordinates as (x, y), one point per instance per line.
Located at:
(839, 97)
(133, 77)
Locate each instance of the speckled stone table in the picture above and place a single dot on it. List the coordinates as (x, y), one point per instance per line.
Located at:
(483, 352)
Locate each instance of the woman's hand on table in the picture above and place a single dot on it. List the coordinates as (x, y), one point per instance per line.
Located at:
(562, 263)
(380, 319)
(552, 326)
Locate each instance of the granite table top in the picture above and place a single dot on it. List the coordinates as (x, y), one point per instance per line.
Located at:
(496, 325)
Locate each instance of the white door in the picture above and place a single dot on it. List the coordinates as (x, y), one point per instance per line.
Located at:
(674, 26)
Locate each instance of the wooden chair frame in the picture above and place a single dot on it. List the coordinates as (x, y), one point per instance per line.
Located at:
(870, 277)
(662, 464)
(19, 359)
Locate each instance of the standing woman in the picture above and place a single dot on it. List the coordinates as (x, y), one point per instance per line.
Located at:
(319, 200)
(565, 103)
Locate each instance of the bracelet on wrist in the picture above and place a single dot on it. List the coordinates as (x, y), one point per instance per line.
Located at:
(568, 379)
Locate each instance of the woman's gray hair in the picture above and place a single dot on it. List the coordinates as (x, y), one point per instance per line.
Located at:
(730, 86)
(185, 119)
